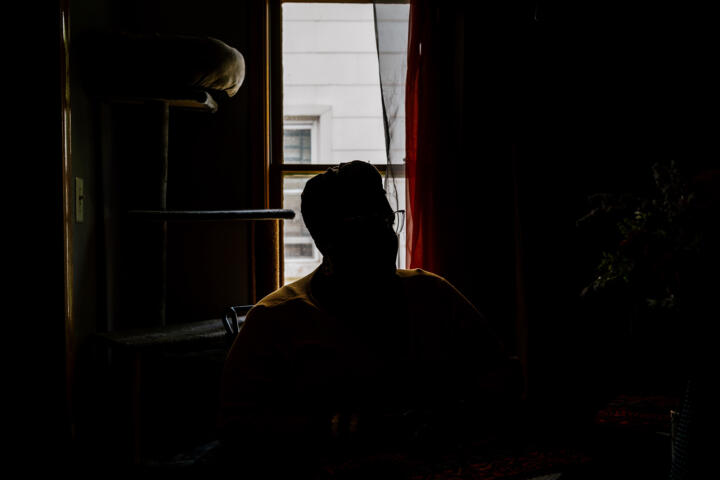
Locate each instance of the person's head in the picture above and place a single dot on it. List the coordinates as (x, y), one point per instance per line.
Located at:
(350, 219)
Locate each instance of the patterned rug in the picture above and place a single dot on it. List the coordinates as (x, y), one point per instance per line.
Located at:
(650, 412)
(535, 464)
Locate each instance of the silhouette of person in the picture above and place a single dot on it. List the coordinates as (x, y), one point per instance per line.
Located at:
(358, 352)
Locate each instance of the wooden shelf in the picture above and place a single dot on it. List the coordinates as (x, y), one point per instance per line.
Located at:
(187, 335)
(189, 100)
(212, 215)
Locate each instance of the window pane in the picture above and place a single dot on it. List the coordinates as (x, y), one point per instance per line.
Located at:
(299, 250)
(301, 256)
(296, 145)
(330, 70)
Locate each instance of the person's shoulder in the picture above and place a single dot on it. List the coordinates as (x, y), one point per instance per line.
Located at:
(281, 302)
(423, 283)
(422, 278)
(287, 294)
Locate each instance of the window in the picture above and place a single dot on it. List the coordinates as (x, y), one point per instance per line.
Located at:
(299, 140)
(332, 110)
(301, 255)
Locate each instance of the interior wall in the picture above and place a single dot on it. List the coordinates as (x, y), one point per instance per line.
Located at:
(115, 153)
(34, 386)
(617, 89)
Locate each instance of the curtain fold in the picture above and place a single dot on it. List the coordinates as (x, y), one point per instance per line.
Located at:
(391, 33)
(417, 83)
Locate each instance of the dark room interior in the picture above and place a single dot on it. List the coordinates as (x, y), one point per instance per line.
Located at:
(534, 110)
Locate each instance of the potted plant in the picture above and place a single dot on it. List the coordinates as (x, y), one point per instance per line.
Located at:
(647, 268)
(664, 267)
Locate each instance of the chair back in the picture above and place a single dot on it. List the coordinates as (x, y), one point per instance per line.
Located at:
(234, 318)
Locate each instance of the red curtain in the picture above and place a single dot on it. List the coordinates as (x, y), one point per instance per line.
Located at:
(412, 94)
(421, 142)
(434, 108)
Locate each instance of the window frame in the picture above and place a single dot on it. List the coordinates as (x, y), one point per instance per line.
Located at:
(277, 168)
